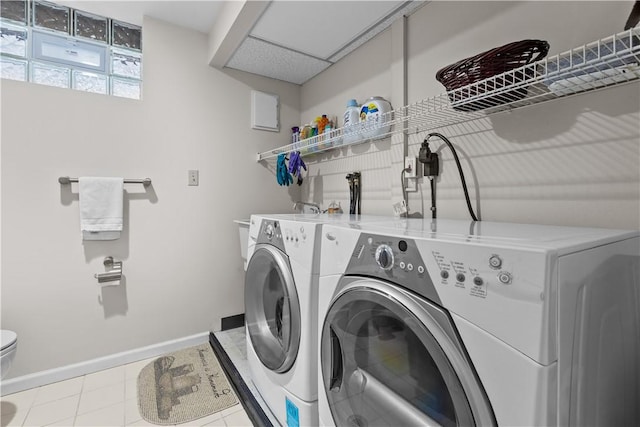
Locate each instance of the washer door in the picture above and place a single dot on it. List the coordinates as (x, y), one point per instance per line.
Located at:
(272, 310)
(390, 358)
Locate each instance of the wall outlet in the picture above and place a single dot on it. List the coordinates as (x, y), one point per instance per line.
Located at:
(410, 164)
(411, 174)
(193, 177)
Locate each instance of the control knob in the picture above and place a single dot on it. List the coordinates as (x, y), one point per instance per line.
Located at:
(268, 231)
(384, 257)
(504, 277)
(495, 262)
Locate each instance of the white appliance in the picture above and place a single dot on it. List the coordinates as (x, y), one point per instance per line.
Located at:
(458, 323)
(281, 312)
(8, 347)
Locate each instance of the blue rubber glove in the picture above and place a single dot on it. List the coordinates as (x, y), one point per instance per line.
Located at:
(282, 174)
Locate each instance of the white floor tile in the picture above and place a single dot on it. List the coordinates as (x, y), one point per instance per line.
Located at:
(13, 419)
(59, 390)
(204, 420)
(64, 423)
(235, 408)
(131, 411)
(216, 423)
(130, 389)
(109, 416)
(49, 413)
(23, 399)
(140, 422)
(101, 398)
(238, 419)
(105, 398)
(103, 378)
(133, 369)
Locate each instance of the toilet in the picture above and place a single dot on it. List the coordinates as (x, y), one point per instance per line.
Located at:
(9, 340)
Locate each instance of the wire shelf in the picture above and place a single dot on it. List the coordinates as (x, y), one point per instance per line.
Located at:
(611, 61)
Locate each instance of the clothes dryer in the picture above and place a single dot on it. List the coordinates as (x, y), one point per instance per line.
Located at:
(281, 291)
(458, 323)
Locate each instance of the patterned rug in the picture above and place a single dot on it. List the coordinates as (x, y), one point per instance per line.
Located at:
(183, 386)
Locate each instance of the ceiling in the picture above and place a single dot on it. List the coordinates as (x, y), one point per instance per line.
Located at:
(288, 40)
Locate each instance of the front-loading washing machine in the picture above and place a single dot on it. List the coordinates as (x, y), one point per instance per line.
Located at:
(281, 291)
(457, 323)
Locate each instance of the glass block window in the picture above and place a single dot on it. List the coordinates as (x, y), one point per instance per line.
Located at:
(46, 43)
(126, 35)
(13, 40)
(50, 75)
(89, 82)
(91, 27)
(14, 10)
(126, 88)
(51, 16)
(126, 63)
(13, 69)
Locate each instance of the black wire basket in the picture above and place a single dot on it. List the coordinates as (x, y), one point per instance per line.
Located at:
(488, 64)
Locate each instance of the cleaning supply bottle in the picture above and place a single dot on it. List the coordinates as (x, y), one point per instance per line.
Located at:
(295, 137)
(322, 123)
(351, 122)
(375, 117)
(305, 134)
(314, 132)
(327, 134)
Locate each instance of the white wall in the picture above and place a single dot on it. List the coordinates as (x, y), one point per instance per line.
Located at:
(180, 247)
(360, 75)
(574, 161)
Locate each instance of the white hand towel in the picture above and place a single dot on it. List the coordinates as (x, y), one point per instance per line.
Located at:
(101, 207)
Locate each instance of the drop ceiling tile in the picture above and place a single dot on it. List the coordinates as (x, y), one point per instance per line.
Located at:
(405, 10)
(265, 59)
(319, 28)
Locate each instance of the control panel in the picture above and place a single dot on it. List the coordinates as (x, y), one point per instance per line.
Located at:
(473, 272)
(271, 233)
(431, 268)
(392, 258)
(503, 288)
(296, 235)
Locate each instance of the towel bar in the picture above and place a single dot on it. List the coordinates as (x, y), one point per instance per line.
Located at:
(146, 182)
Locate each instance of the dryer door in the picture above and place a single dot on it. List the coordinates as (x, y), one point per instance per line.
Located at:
(272, 310)
(390, 358)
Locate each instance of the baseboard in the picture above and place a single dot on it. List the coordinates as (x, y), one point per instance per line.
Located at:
(50, 376)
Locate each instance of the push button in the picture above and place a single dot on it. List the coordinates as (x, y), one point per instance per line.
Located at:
(460, 277)
(505, 277)
(444, 274)
(478, 281)
(495, 262)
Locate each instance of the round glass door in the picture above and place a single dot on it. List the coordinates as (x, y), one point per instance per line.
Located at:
(382, 366)
(272, 310)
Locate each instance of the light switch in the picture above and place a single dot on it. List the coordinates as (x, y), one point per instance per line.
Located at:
(193, 177)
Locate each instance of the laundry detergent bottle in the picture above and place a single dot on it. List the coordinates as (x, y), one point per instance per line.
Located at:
(351, 122)
(375, 117)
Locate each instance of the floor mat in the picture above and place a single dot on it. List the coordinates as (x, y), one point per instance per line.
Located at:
(183, 386)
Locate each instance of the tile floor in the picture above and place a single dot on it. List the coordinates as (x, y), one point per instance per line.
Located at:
(105, 398)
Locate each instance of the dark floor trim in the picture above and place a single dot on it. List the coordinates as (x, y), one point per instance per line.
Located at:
(250, 404)
(232, 322)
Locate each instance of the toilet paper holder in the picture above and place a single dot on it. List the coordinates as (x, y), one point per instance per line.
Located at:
(113, 273)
